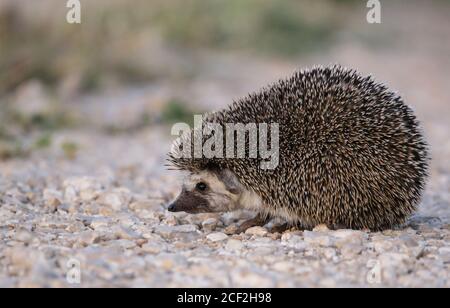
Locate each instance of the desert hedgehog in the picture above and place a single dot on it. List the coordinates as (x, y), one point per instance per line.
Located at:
(351, 155)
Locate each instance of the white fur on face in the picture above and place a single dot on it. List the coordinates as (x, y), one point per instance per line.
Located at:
(220, 199)
(206, 177)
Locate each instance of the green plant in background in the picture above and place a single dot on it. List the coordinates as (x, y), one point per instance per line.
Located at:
(23, 132)
(116, 38)
(44, 141)
(279, 28)
(70, 149)
(43, 121)
(11, 149)
(177, 111)
(3, 132)
(285, 32)
(54, 117)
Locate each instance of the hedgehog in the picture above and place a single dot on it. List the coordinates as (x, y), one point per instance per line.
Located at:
(351, 154)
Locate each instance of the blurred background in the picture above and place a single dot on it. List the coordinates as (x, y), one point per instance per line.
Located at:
(134, 65)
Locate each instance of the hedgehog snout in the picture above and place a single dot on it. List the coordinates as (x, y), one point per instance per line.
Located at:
(190, 203)
(172, 207)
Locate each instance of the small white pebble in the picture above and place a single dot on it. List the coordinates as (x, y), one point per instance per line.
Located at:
(234, 245)
(217, 237)
(258, 231)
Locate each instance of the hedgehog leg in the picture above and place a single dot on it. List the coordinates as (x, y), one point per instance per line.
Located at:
(258, 220)
(280, 228)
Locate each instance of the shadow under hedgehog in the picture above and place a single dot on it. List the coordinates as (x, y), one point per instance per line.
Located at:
(351, 155)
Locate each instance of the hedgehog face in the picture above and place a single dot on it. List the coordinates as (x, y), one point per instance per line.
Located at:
(208, 192)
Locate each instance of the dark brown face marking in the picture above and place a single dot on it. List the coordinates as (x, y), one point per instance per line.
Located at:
(190, 202)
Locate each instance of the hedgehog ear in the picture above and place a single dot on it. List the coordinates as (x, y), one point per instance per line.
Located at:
(230, 180)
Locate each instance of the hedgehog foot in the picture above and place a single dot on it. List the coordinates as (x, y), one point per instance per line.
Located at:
(258, 221)
(280, 228)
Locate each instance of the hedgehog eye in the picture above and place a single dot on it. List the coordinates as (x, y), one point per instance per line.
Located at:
(201, 186)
